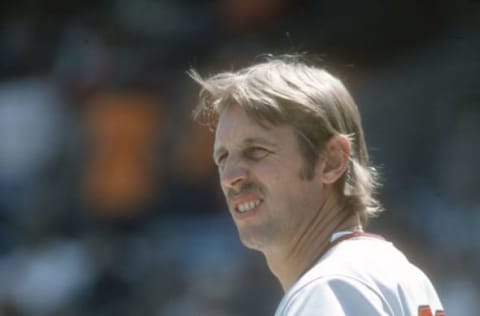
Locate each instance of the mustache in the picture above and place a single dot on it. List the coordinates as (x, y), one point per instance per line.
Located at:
(249, 187)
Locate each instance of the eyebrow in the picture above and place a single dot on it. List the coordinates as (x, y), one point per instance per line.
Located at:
(258, 140)
(247, 141)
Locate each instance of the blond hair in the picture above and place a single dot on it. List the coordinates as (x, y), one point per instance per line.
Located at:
(287, 90)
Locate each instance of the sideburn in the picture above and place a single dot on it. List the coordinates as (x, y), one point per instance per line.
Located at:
(311, 137)
(307, 171)
(309, 150)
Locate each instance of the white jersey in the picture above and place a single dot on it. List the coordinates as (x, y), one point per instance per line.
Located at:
(362, 274)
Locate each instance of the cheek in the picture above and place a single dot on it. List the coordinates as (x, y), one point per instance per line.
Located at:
(283, 185)
(223, 188)
(303, 195)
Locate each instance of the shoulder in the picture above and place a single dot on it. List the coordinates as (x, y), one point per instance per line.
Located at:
(359, 276)
(333, 295)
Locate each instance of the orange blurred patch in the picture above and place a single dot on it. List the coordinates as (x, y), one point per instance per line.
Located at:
(125, 130)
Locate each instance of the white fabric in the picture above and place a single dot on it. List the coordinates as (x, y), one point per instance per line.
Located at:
(337, 235)
(360, 276)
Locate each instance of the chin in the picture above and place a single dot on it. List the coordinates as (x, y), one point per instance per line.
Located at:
(252, 241)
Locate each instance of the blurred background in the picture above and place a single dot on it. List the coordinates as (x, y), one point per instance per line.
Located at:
(109, 201)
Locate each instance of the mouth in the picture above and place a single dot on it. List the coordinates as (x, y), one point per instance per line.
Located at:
(247, 206)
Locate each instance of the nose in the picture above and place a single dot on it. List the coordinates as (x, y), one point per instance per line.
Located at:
(233, 174)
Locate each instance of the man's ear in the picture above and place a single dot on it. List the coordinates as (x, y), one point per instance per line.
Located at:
(334, 156)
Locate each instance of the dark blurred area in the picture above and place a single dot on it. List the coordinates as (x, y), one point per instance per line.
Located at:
(109, 201)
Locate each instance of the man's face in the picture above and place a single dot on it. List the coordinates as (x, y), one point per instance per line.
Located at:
(260, 176)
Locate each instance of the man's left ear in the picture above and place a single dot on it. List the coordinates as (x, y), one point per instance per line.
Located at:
(335, 156)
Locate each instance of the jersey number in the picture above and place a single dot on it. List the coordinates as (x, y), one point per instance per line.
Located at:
(427, 311)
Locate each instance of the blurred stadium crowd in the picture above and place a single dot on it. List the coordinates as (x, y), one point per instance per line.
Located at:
(109, 202)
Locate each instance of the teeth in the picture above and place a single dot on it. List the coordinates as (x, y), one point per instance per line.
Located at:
(247, 206)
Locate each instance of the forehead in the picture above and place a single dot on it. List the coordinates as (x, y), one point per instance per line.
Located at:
(235, 127)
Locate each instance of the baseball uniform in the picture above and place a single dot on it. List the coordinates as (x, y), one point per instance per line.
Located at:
(361, 274)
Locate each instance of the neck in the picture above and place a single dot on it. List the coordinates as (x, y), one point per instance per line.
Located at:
(292, 260)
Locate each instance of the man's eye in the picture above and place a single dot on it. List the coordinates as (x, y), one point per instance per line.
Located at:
(256, 153)
(221, 159)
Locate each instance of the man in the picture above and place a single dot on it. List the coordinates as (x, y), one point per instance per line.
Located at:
(294, 169)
